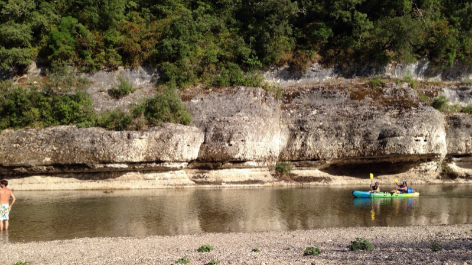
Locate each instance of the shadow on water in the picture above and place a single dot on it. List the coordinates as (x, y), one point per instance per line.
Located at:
(52, 215)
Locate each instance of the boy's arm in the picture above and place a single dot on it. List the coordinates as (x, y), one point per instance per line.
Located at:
(13, 201)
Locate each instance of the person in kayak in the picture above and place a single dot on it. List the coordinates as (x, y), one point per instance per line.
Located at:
(375, 189)
(400, 188)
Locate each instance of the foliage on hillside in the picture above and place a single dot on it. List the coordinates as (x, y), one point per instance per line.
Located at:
(217, 42)
(63, 100)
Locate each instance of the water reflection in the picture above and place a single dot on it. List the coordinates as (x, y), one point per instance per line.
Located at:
(4, 237)
(61, 215)
(381, 210)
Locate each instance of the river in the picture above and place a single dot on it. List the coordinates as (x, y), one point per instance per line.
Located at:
(53, 215)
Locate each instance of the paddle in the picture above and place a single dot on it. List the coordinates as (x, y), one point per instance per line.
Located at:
(396, 181)
(371, 177)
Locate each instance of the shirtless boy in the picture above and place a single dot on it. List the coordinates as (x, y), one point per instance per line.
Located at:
(5, 207)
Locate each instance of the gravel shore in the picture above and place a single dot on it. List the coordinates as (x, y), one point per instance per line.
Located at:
(393, 245)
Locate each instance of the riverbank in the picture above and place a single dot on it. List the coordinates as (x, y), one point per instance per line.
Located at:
(179, 180)
(393, 245)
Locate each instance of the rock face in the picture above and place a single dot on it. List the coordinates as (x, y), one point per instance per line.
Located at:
(350, 127)
(420, 70)
(459, 137)
(70, 149)
(238, 134)
(240, 124)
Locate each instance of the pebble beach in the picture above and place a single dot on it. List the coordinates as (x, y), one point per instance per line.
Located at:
(392, 245)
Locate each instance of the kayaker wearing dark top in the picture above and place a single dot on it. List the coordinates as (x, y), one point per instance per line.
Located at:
(375, 188)
(401, 188)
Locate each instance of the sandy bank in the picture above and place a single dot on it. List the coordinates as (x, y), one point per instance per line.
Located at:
(137, 181)
(393, 245)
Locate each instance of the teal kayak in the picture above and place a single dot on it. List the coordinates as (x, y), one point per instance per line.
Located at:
(366, 194)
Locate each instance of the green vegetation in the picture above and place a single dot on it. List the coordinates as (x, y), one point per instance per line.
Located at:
(124, 88)
(434, 242)
(283, 167)
(275, 90)
(205, 248)
(311, 251)
(376, 82)
(63, 100)
(435, 245)
(224, 42)
(440, 103)
(447, 171)
(7, 84)
(408, 78)
(256, 250)
(21, 108)
(115, 120)
(467, 109)
(21, 263)
(212, 262)
(163, 107)
(183, 260)
(466, 81)
(445, 168)
(424, 98)
(360, 243)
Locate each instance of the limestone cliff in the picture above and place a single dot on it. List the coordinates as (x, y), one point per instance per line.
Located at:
(334, 133)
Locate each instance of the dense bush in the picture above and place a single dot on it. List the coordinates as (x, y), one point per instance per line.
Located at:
(21, 108)
(116, 120)
(163, 107)
(219, 42)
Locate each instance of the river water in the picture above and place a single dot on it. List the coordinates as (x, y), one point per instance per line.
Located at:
(52, 215)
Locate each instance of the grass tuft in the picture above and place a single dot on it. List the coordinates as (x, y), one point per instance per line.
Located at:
(311, 251)
(205, 248)
(360, 243)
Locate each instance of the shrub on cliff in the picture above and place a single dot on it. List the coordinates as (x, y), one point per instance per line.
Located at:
(165, 106)
(123, 89)
(376, 82)
(115, 120)
(467, 109)
(408, 78)
(283, 167)
(7, 84)
(440, 103)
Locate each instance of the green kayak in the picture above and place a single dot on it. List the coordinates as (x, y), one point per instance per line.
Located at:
(366, 194)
